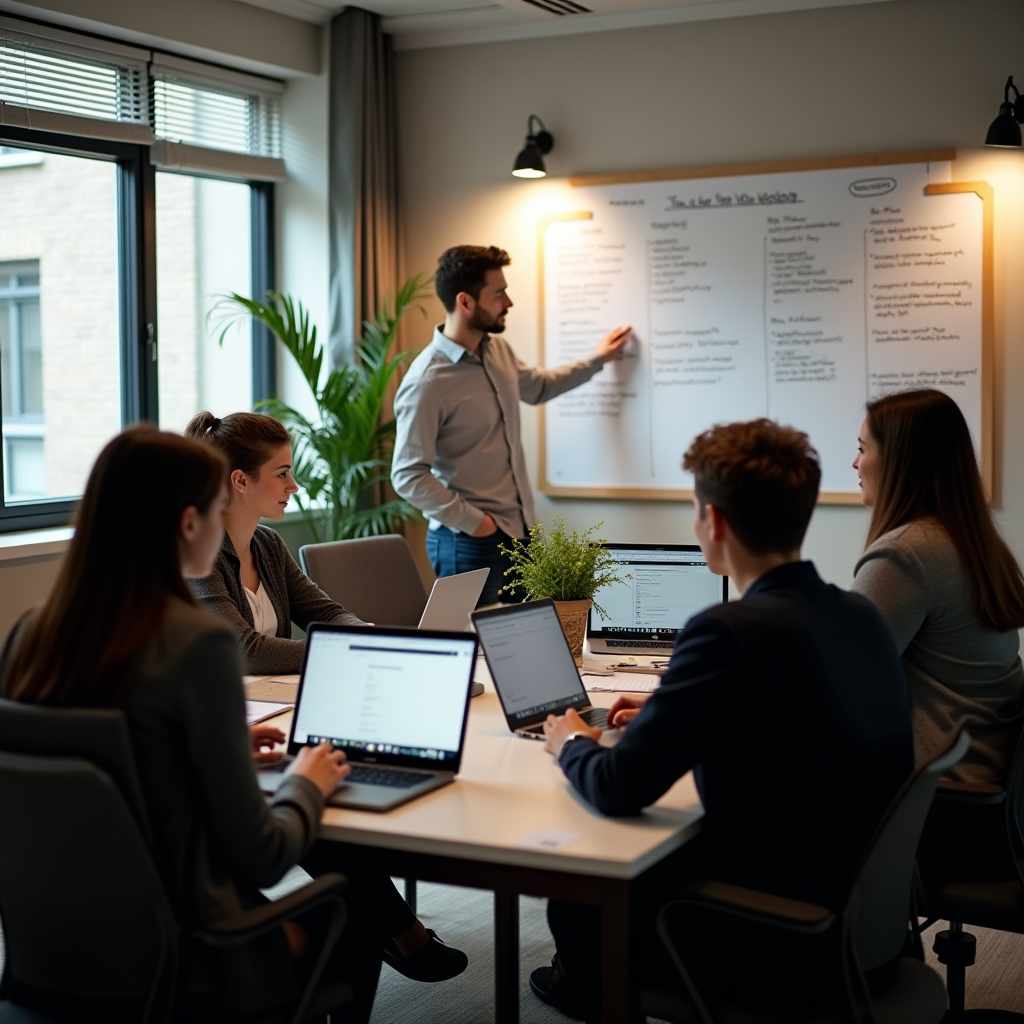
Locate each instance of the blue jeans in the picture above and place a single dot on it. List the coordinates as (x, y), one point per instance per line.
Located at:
(451, 553)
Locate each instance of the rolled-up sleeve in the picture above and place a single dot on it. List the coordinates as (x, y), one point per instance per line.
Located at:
(418, 415)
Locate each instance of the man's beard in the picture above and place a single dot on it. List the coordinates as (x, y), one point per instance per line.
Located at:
(480, 321)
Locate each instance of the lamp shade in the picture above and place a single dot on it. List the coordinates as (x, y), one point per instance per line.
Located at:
(1004, 130)
(530, 164)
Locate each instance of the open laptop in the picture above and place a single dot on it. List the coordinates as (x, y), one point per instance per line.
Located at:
(532, 667)
(669, 583)
(395, 700)
(451, 600)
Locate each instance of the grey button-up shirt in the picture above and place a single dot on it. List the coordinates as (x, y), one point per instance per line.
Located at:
(458, 453)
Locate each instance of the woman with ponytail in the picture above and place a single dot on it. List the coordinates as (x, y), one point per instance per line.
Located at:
(255, 586)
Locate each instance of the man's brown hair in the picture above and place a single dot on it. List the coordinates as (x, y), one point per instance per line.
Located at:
(762, 477)
(463, 268)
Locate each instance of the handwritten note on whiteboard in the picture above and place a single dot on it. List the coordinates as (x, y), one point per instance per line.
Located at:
(796, 296)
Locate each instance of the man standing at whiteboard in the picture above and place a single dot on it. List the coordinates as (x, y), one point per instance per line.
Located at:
(458, 454)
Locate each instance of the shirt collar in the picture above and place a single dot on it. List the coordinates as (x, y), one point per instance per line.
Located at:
(452, 349)
(792, 574)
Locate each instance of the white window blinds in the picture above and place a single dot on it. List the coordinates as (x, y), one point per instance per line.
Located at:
(197, 118)
(57, 82)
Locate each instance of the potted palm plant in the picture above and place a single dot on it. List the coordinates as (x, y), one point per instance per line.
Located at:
(568, 568)
(343, 456)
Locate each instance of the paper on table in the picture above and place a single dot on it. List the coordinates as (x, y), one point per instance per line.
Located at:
(548, 839)
(622, 683)
(261, 710)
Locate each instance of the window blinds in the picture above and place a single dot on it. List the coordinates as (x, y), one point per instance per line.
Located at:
(196, 117)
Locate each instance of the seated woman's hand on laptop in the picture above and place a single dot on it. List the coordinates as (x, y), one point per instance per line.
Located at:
(625, 709)
(264, 738)
(557, 728)
(323, 765)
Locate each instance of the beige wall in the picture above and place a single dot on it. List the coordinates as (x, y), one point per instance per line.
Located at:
(882, 77)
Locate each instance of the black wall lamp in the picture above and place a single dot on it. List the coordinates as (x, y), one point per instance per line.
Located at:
(1005, 129)
(530, 162)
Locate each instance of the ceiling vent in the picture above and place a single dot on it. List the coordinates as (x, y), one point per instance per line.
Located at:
(559, 6)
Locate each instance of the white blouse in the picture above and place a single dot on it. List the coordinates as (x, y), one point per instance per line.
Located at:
(263, 615)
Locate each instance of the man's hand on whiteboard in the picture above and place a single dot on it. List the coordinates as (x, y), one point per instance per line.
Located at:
(486, 528)
(611, 344)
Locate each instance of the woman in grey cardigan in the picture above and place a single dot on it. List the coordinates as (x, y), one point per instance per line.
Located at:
(255, 586)
(948, 587)
(943, 578)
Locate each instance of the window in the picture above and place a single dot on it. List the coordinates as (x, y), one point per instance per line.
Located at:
(60, 364)
(204, 249)
(115, 244)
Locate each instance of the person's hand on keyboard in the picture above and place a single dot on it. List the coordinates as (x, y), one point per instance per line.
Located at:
(323, 765)
(264, 738)
(625, 709)
(556, 729)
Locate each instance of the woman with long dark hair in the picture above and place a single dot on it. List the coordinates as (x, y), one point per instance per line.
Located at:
(943, 578)
(121, 629)
(255, 585)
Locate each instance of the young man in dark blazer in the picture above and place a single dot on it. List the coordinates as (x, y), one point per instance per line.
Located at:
(789, 704)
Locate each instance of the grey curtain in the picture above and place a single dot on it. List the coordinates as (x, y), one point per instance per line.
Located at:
(363, 185)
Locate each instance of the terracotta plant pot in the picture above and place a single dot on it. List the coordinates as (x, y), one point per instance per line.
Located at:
(573, 617)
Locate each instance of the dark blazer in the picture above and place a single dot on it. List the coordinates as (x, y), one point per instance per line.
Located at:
(295, 597)
(792, 706)
(216, 840)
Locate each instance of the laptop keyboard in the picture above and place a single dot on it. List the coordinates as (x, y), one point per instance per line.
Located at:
(386, 777)
(596, 717)
(660, 644)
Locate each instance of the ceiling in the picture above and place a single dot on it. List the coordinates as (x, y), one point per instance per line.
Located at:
(416, 24)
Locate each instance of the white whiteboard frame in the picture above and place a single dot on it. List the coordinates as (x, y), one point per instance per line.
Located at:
(980, 188)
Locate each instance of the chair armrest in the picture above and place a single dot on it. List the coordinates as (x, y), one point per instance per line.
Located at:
(981, 794)
(241, 928)
(761, 907)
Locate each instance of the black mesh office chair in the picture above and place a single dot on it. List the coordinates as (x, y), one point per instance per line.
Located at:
(995, 905)
(864, 940)
(88, 929)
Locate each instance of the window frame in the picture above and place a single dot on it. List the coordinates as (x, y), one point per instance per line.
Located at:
(139, 329)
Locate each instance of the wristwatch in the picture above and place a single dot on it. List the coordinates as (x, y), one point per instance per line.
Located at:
(571, 738)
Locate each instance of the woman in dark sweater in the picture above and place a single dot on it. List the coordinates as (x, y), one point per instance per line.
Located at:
(255, 586)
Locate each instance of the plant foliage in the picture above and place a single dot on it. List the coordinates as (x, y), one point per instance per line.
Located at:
(342, 459)
(560, 565)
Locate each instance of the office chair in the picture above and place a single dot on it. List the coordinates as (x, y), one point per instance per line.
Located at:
(995, 905)
(374, 577)
(88, 929)
(864, 940)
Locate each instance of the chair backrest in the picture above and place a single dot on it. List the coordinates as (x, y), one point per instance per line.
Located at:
(374, 577)
(97, 735)
(84, 912)
(880, 904)
(1015, 807)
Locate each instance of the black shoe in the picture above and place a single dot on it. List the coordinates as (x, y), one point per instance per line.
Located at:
(434, 962)
(550, 985)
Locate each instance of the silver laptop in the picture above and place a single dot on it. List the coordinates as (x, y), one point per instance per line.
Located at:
(395, 700)
(532, 667)
(668, 584)
(451, 600)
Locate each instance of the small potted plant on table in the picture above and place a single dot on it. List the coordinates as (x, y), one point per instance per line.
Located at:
(568, 568)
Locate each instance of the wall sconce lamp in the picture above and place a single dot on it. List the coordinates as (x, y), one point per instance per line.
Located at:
(530, 162)
(1005, 129)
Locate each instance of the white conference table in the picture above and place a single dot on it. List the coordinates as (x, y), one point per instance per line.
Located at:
(510, 823)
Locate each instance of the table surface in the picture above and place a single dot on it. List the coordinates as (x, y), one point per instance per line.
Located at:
(508, 789)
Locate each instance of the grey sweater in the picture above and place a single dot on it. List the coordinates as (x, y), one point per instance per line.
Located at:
(959, 671)
(216, 839)
(295, 597)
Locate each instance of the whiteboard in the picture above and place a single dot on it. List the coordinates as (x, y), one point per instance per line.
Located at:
(796, 294)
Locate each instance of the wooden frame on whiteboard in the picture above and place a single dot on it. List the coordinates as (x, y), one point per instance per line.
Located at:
(981, 188)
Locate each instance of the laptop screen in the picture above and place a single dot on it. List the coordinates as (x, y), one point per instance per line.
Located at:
(384, 696)
(530, 662)
(668, 585)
